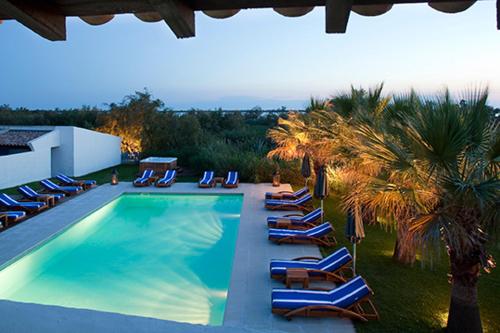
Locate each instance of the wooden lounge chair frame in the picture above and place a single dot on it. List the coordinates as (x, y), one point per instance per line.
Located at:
(336, 276)
(6, 222)
(4, 219)
(168, 184)
(305, 208)
(291, 226)
(148, 182)
(48, 198)
(279, 195)
(211, 184)
(80, 183)
(29, 209)
(68, 193)
(326, 240)
(362, 310)
(302, 215)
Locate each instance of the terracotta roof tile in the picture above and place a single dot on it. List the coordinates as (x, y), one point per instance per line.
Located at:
(19, 138)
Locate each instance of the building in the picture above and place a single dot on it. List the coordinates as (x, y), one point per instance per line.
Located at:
(31, 153)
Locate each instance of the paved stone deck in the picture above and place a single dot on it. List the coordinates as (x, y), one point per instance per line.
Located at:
(248, 306)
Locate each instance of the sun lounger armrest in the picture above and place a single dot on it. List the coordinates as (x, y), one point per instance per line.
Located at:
(329, 276)
(307, 258)
(295, 214)
(283, 192)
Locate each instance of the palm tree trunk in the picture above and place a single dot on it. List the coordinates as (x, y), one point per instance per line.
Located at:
(404, 248)
(464, 314)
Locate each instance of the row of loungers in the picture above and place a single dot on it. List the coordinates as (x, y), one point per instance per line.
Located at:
(208, 180)
(148, 177)
(351, 298)
(33, 202)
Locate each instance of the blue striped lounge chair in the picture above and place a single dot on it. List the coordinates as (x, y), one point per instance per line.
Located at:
(295, 221)
(319, 235)
(287, 195)
(350, 300)
(67, 181)
(330, 268)
(168, 179)
(303, 203)
(11, 217)
(207, 180)
(30, 194)
(52, 187)
(145, 179)
(32, 207)
(232, 180)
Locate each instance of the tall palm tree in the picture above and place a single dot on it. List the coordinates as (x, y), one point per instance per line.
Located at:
(295, 137)
(449, 155)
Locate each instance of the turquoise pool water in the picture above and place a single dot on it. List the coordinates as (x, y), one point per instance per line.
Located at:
(160, 256)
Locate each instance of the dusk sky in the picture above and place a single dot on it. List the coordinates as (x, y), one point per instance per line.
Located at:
(256, 58)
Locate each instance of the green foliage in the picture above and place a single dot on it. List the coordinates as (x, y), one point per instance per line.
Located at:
(408, 298)
(201, 140)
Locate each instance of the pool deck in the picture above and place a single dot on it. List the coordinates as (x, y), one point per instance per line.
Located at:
(248, 307)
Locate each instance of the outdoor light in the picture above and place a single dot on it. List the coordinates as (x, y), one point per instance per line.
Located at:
(114, 177)
(276, 179)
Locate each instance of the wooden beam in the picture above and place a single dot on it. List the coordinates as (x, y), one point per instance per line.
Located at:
(337, 15)
(37, 16)
(178, 15)
(109, 7)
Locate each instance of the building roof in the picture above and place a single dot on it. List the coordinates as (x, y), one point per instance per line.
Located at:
(19, 138)
(48, 18)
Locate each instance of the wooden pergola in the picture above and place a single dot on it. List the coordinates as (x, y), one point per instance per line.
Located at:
(48, 17)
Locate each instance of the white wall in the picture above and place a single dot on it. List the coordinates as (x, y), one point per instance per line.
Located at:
(70, 150)
(31, 166)
(63, 155)
(94, 151)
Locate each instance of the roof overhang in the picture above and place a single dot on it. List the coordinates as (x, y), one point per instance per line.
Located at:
(48, 18)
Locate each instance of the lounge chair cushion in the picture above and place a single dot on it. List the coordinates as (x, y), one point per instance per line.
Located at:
(232, 178)
(146, 175)
(330, 263)
(285, 195)
(50, 185)
(7, 201)
(169, 177)
(14, 214)
(297, 220)
(67, 180)
(318, 231)
(343, 296)
(207, 178)
(297, 202)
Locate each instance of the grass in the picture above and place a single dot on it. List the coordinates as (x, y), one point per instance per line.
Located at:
(409, 299)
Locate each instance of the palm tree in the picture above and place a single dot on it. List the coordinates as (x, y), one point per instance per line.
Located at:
(296, 137)
(446, 156)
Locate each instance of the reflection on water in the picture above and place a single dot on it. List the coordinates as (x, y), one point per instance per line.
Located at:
(161, 256)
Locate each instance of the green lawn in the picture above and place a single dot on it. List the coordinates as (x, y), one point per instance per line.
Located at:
(409, 299)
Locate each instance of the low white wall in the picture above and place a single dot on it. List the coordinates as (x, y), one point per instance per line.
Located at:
(94, 151)
(70, 150)
(63, 155)
(17, 169)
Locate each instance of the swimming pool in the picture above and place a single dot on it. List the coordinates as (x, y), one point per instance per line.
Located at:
(166, 256)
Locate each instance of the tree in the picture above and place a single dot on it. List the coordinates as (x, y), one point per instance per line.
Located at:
(132, 120)
(449, 153)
